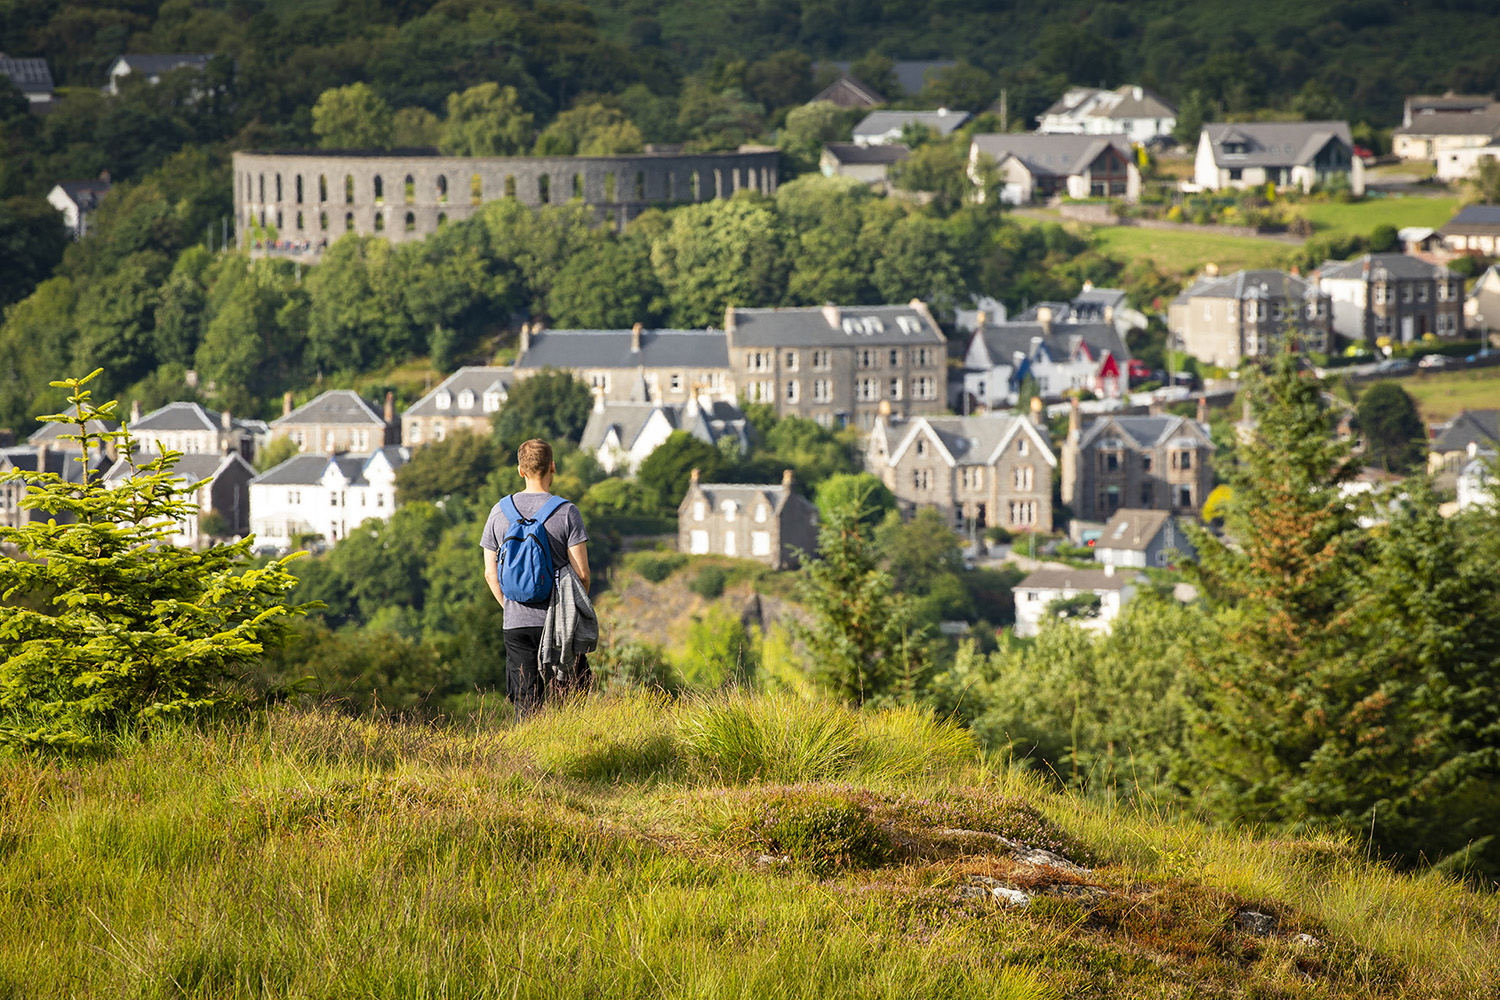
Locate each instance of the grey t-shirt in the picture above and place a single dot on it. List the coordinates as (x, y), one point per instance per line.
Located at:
(564, 529)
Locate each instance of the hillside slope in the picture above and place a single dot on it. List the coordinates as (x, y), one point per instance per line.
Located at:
(745, 847)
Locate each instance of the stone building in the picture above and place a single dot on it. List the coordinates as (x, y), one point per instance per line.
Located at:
(770, 524)
(313, 197)
(41, 457)
(1392, 295)
(1140, 538)
(1152, 463)
(1032, 166)
(338, 421)
(225, 490)
(1245, 155)
(979, 472)
(839, 365)
(464, 401)
(621, 435)
(635, 365)
(194, 430)
(1225, 319)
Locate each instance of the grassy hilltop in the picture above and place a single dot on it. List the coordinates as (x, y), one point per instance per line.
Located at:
(629, 847)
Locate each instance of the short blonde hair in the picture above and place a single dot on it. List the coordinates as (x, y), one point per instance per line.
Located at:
(534, 457)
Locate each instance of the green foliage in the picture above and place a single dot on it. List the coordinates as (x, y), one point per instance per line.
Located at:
(458, 466)
(1077, 606)
(826, 833)
(273, 454)
(551, 405)
(709, 583)
(589, 130)
(862, 639)
(32, 239)
(720, 253)
(863, 490)
(657, 568)
(665, 473)
(721, 649)
(352, 117)
(134, 630)
(486, 120)
(1395, 436)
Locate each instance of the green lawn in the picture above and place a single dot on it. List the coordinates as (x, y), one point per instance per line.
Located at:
(1442, 394)
(1362, 217)
(1186, 251)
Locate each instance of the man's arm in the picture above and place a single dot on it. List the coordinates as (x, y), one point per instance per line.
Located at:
(492, 572)
(578, 558)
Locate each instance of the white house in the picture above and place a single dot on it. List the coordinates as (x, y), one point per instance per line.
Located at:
(879, 127)
(621, 435)
(1031, 166)
(1041, 588)
(224, 490)
(325, 495)
(1286, 154)
(1462, 163)
(1476, 480)
(151, 67)
(77, 200)
(1084, 356)
(1131, 111)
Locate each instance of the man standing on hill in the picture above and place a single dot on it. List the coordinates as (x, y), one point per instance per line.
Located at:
(515, 527)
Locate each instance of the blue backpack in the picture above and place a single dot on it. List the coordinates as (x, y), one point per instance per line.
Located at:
(526, 553)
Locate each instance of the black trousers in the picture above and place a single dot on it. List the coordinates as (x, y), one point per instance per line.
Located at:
(525, 684)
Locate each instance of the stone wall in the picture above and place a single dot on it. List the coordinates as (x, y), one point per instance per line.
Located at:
(312, 198)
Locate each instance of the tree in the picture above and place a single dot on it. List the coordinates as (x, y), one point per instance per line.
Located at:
(414, 127)
(457, 466)
(352, 117)
(720, 253)
(607, 285)
(861, 489)
(962, 87)
(551, 405)
(717, 119)
(665, 472)
(861, 636)
(32, 240)
(941, 168)
(809, 127)
(1395, 437)
(877, 72)
(131, 629)
(589, 130)
(486, 120)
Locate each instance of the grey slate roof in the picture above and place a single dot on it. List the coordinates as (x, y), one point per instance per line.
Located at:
(85, 194)
(179, 417)
(1073, 579)
(1086, 307)
(611, 349)
(1479, 427)
(1475, 220)
(31, 76)
(156, 64)
(1257, 284)
(779, 495)
(49, 433)
(1397, 265)
(911, 74)
(60, 463)
(477, 379)
(942, 121)
(336, 406)
(629, 419)
(1274, 144)
(853, 153)
(190, 468)
(811, 327)
(1147, 432)
(308, 470)
(1048, 155)
(848, 92)
(1004, 341)
(1450, 115)
(970, 440)
(1128, 105)
(1132, 529)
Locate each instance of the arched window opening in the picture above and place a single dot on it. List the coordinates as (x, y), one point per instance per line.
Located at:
(510, 185)
(300, 226)
(262, 188)
(609, 187)
(476, 189)
(379, 222)
(348, 189)
(348, 222)
(323, 221)
(379, 189)
(544, 188)
(411, 190)
(640, 185)
(442, 189)
(322, 187)
(578, 186)
(411, 222)
(696, 184)
(278, 187)
(442, 218)
(299, 189)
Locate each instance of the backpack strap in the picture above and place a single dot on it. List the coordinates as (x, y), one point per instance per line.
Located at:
(549, 508)
(508, 508)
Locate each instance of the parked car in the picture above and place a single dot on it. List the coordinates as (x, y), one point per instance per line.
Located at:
(1434, 361)
(1393, 366)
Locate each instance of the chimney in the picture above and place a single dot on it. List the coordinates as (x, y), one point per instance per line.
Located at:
(980, 319)
(1073, 428)
(1202, 409)
(1038, 417)
(1109, 314)
(1212, 270)
(135, 411)
(1044, 317)
(390, 408)
(598, 399)
(1153, 408)
(525, 340)
(41, 457)
(786, 478)
(635, 339)
(831, 315)
(286, 403)
(1296, 271)
(693, 477)
(226, 421)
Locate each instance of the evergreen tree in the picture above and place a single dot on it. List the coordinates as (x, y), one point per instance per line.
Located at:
(1395, 437)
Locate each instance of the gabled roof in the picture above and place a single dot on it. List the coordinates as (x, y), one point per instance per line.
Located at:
(1263, 284)
(477, 379)
(1132, 529)
(309, 469)
(59, 463)
(847, 92)
(31, 76)
(84, 194)
(778, 495)
(850, 153)
(1003, 341)
(1147, 432)
(189, 468)
(156, 64)
(911, 74)
(1451, 114)
(1274, 144)
(51, 432)
(1473, 220)
(878, 123)
(627, 420)
(835, 326)
(336, 406)
(180, 416)
(611, 349)
(1048, 155)
(1073, 579)
(1377, 266)
(974, 440)
(1129, 101)
(1477, 427)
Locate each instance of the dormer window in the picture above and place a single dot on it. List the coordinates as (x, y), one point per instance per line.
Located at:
(444, 399)
(491, 401)
(761, 512)
(730, 509)
(1234, 147)
(466, 400)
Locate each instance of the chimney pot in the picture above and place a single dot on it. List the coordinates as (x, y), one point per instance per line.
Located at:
(525, 340)
(786, 478)
(635, 339)
(981, 319)
(390, 407)
(135, 411)
(1202, 409)
(286, 403)
(226, 421)
(1044, 317)
(693, 477)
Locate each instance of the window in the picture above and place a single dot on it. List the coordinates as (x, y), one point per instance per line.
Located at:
(1023, 447)
(921, 447)
(730, 548)
(1182, 460)
(921, 479)
(1109, 461)
(699, 510)
(1406, 292)
(895, 357)
(466, 399)
(698, 542)
(1145, 463)
(676, 381)
(1236, 173)
(895, 388)
(730, 509)
(379, 499)
(758, 361)
(793, 391)
(1380, 294)
(760, 543)
(1183, 497)
(762, 391)
(820, 360)
(1024, 512)
(1109, 498)
(761, 512)
(869, 389)
(923, 387)
(1422, 292)
(444, 399)
(972, 477)
(921, 357)
(1208, 312)
(1252, 311)
(789, 361)
(599, 380)
(1023, 477)
(822, 390)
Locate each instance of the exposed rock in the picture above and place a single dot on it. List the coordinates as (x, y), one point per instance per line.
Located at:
(982, 886)
(1305, 940)
(1254, 922)
(1010, 897)
(1019, 853)
(774, 859)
